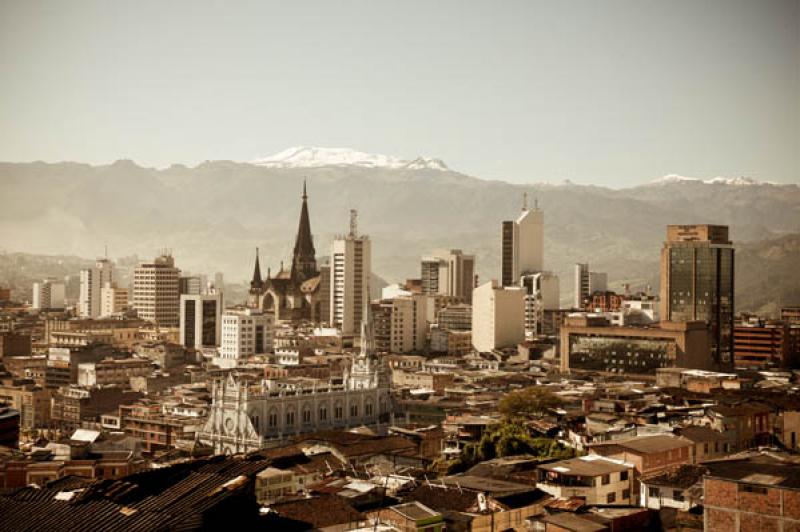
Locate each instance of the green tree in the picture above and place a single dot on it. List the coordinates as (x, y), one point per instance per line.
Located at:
(528, 402)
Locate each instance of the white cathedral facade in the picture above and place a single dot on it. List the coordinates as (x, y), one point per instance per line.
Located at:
(247, 415)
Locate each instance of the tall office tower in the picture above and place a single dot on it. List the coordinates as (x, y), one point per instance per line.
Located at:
(92, 282)
(541, 294)
(113, 300)
(587, 283)
(245, 333)
(697, 282)
(190, 284)
(498, 316)
(400, 324)
(350, 272)
(449, 273)
(48, 294)
(324, 294)
(156, 295)
(201, 320)
(522, 245)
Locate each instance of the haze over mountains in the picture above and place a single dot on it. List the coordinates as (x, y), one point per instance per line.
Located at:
(213, 216)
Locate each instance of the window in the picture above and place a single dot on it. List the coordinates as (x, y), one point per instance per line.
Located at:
(290, 418)
(677, 495)
(623, 475)
(338, 412)
(606, 480)
(306, 416)
(626, 494)
(273, 419)
(323, 413)
(652, 492)
(611, 497)
(353, 410)
(749, 488)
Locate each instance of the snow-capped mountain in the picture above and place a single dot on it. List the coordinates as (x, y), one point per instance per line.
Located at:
(734, 181)
(313, 157)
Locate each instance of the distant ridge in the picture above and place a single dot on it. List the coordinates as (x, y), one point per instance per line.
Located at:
(315, 157)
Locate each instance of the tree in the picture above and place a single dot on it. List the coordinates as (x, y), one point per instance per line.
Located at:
(528, 402)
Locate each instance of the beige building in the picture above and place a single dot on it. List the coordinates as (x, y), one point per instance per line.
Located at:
(498, 316)
(92, 282)
(32, 402)
(523, 245)
(401, 324)
(113, 372)
(48, 294)
(449, 273)
(245, 333)
(156, 294)
(593, 478)
(113, 300)
(201, 320)
(590, 343)
(350, 273)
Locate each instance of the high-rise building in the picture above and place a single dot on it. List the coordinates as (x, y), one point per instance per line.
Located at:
(156, 294)
(498, 316)
(201, 320)
(113, 299)
(541, 295)
(245, 333)
(522, 245)
(92, 282)
(449, 273)
(350, 273)
(48, 294)
(697, 265)
(191, 284)
(400, 324)
(586, 284)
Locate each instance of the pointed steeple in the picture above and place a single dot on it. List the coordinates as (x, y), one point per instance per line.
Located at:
(304, 263)
(257, 281)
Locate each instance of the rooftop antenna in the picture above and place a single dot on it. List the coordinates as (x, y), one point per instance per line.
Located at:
(353, 222)
(524, 201)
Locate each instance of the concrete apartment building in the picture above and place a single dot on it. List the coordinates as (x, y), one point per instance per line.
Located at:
(449, 273)
(245, 333)
(542, 294)
(697, 265)
(400, 324)
(156, 294)
(32, 401)
(113, 372)
(595, 479)
(350, 279)
(587, 283)
(590, 343)
(650, 455)
(113, 300)
(201, 320)
(762, 344)
(498, 316)
(48, 294)
(92, 280)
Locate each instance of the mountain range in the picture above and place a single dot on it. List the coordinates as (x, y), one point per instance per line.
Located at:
(213, 216)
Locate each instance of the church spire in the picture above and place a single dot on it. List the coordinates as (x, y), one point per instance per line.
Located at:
(257, 282)
(304, 263)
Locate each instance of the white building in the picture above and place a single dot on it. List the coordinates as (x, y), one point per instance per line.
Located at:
(449, 273)
(523, 245)
(245, 333)
(201, 320)
(350, 274)
(498, 316)
(273, 410)
(156, 295)
(92, 282)
(48, 294)
(113, 299)
(541, 293)
(587, 283)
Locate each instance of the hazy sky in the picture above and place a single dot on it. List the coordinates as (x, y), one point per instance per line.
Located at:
(605, 92)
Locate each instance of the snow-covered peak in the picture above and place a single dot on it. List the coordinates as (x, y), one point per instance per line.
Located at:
(311, 157)
(733, 181)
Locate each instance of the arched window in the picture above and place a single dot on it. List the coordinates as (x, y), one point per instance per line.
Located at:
(338, 411)
(353, 410)
(323, 413)
(290, 418)
(306, 415)
(272, 420)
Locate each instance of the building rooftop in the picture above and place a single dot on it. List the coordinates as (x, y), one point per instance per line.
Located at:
(587, 466)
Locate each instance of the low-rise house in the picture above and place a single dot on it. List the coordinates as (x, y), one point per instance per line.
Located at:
(410, 517)
(681, 489)
(595, 479)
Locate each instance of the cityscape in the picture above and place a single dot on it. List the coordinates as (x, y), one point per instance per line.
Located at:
(341, 340)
